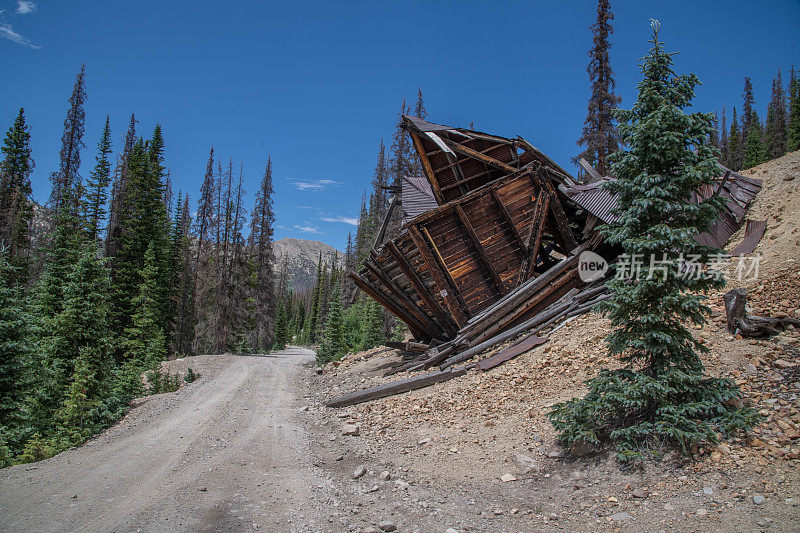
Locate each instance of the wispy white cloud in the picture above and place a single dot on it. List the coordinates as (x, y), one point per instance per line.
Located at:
(7, 32)
(307, 228)
(340, 218)
(25, 6)
(314, 185)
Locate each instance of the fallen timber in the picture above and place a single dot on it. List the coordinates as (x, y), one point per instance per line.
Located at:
(489, 250)
(396, 387)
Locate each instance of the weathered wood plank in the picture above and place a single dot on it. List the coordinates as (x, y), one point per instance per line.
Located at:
(426, 165)
(512, 228)
(456, 312)
(534, 241)
(419, 286)
(509, 352)
(491, 161)
(415, 327)
(445, 270)
(476, 243)
(593, 174)
(396, 387)
(404, 300)
(558, 210)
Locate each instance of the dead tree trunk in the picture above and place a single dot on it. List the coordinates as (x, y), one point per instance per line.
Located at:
(749, 325)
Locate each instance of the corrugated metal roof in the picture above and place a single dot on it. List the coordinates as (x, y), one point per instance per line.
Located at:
(416, 197)
(738, 191)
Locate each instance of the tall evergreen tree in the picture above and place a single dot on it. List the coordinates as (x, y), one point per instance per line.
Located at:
(736, 147)
(80, 345)
(97, 185)
(599, 135)
(793, 127)
(749, 104)
(119, 189)
(71, 143)
(754, 147)
(775, 132)
(16, 208)
(723, 141)
(261, 231)
(662, 394)
(142, 220)
(15, 351)
(333, 346)
(143, 341)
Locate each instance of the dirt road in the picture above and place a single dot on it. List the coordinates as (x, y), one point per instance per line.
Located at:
(227, 452)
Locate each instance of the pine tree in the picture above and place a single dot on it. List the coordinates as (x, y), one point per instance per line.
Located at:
(281, 337)
(372, 324)
(599, 135)
(754, 147)
(662, 394)
(775, 132)
(16, 209)
(333, 346)
(748, 109)
(67, 176)
(736, 147)
(401, 161)
(142, 220)
(182, 282)
(97, 184)
(119, 190)
(793, 127)
(723, 142)
(143, 341)
(81, 344)
(14, 353)
(261, 232)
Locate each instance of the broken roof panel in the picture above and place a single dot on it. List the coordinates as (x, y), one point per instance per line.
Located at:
(416, 197)
(457, 161)
(738, 191)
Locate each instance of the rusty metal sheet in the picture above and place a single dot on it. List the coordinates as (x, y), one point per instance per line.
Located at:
(752, 236)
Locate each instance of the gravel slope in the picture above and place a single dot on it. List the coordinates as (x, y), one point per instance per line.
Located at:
(227, 452)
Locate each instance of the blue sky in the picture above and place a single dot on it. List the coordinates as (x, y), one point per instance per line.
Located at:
(318, 84)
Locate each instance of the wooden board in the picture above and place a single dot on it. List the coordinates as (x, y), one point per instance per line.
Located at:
(509, 352)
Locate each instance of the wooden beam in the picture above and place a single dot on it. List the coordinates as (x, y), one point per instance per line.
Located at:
(468, 179)
(371, 290)
(385, 223)
(450, 281)
(531, 148)
(426, 165)
(476, 243)
(593, 174)
(558, 210)
(512, 228)
(419, 286)
(438, 277)
(396, 387)
(534, 240)
(491, 161)
(409, 304)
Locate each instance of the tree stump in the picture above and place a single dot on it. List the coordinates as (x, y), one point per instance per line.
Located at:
(750, 325)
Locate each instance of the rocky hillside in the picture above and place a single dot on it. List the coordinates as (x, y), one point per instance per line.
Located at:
(487, 433)
(302, 257)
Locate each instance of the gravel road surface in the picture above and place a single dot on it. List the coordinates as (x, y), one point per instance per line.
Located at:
(225, 453)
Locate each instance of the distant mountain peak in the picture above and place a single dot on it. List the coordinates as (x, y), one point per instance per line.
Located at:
(302, 256)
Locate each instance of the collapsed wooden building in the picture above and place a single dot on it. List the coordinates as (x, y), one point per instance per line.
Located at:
(489, 247)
